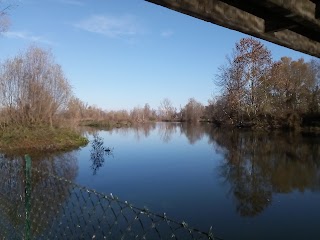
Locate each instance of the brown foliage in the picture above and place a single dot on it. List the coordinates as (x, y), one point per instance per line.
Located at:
(33, 88)
(257, 91)
(192, 111)
(166, 110)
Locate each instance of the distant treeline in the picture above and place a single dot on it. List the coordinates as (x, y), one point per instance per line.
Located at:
(35, 92)
(78, 111)
(255, 92)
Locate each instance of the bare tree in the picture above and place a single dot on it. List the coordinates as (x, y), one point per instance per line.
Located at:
(259, 92)
(136, 114)
(292, 83)
(33, 88)
(146, 112)
(76, 110)
(192, 111)
(314, 104)
(167, 111)
(244, 79)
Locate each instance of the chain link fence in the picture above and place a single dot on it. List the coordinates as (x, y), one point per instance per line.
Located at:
(39, 205)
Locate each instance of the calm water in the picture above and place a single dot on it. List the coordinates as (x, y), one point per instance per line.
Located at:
(246, 185)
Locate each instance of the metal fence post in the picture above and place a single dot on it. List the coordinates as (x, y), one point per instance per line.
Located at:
(27, 201)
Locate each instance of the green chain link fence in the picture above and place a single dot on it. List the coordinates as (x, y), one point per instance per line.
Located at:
(38, 205)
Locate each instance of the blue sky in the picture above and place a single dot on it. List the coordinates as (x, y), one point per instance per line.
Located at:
(118, 54)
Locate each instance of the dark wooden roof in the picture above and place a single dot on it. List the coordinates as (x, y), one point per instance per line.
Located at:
(293, 24)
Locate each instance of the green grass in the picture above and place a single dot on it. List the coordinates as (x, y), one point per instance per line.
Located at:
(106, 124)
(13, 139)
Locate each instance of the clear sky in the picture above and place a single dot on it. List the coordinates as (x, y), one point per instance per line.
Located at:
(118, 54)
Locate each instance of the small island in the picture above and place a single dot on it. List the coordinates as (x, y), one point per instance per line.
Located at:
(35, 97)
(29, 139)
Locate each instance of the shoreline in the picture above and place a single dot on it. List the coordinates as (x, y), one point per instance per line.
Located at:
(39, 138)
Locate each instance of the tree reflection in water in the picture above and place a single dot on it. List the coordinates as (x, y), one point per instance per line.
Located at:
(98, 153)
(258, 164)
(166, 131)
(194, 132)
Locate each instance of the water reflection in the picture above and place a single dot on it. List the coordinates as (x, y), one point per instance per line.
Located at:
(194, 132)
(166, 131)
(256, 165)
(139, 130)
(46, 197)
(98, 153)
(143, 130)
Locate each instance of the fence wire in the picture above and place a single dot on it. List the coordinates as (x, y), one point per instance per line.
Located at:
(57, 208)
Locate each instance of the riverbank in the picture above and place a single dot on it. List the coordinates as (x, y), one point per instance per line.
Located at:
(28, 139)
(290, 122)
(104, 124)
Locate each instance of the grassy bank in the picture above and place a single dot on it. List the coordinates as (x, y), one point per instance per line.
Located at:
(106, 124)
(26, 139)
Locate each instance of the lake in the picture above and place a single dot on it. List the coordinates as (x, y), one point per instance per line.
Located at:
(246, 185)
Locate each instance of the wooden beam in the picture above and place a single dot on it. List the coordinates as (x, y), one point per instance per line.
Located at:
(317, 10)
(231, 17)
(273, 26)
(301, 12)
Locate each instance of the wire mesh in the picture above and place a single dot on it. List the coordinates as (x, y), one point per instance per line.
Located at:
(61, 209)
